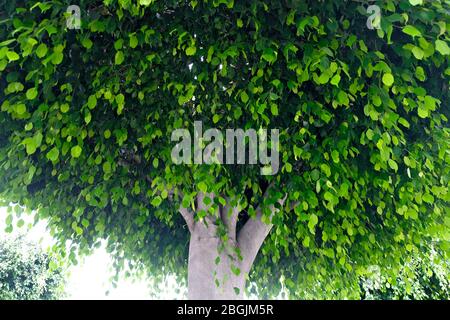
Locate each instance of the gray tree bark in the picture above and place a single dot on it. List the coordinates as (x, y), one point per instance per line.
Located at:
(215, 269)
(209, 272)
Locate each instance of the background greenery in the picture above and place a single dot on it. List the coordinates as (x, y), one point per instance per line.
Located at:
(28, 273)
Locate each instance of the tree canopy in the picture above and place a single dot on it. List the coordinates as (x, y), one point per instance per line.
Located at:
(87, 115)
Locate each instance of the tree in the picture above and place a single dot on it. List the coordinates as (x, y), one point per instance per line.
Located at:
(87, 117)
(420, 279)
(28, 273)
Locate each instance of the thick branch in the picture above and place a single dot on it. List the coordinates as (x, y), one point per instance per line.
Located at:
(252, 235)
(207, 226)
(188, 217)
(201, 201)
(229, 215)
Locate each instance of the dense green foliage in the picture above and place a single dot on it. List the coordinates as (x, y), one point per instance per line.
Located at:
(28, 273)
(424, 278)
(87, 115)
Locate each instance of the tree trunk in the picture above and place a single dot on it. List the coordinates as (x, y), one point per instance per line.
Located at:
(210, 275)
(217, 270)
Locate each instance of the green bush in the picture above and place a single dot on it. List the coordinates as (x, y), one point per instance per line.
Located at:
(28, 273)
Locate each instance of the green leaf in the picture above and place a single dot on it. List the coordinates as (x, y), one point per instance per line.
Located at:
(269, 55)
(236, 270)
(41, 50)
(393, 165)
(15, 87)
(20, 223)
(202, 186)
(64, 108)
(7, 42)
(32, 93)
(428, 198)
(85, 223)
(274, 109)
(442, 47)
(12, 56)
(20, 108)
(430, 103)
(244, 97)
(33, 143)
(415, 2)
(76, 151)
(335, 156)
(87, 117)
(190, 51)
(155, 163)
(107, 167)
(53, 154)
(156, 202)
(133, 41)
(92, 102)
(57, 57)
(29, 126)
(335, 80)
(87, 43)
(216, 118)
(343, 98)
(3, 64)
(107, 134)
(326, 169)
(146, 2)
(404, 122)
(288, 167)
(423, 112)
(418, 53)
(412, 31)
(119, 58)
(118, 44)
(312, 222)
(420, 74)
(388, 79)
(120, 99)
(9, 219)
(237, 113)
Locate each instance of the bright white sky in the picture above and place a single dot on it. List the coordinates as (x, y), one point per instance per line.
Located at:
(90, 279)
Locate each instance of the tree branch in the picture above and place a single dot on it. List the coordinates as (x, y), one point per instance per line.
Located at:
(188, 217)
(229, 215)
(206, 226)
(253, 233)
